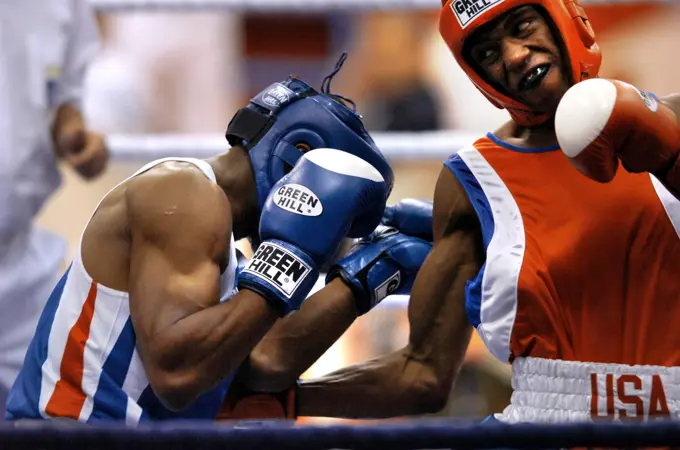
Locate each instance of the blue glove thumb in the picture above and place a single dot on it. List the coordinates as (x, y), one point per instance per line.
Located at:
(412, 217)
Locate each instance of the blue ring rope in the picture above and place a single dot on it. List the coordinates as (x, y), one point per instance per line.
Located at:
(396, 436)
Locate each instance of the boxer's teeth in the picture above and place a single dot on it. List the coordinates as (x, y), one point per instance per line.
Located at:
(534, 78)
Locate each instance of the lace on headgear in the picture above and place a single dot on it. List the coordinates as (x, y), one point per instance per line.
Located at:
(326, 84)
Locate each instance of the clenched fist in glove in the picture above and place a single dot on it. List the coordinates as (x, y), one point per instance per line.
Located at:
(387, 262)
(599, 122)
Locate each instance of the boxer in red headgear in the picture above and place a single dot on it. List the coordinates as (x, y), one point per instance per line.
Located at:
(597, 123)
(461, 19)
(572, 281)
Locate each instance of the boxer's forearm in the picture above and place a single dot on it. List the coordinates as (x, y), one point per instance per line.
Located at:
(418, 378)
(297, 341)
(198, 351)
(394, 385)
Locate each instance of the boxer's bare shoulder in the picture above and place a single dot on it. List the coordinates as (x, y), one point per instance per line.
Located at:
(172, 202)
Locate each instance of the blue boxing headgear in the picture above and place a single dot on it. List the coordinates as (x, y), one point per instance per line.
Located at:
(290, 117)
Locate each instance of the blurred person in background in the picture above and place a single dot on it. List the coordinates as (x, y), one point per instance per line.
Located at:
(394, 84)
(141, 81)
(45, 49)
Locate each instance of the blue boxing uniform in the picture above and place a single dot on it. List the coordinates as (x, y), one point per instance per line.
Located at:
(83, 362)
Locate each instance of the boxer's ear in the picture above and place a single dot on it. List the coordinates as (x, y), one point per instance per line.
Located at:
(444, 3)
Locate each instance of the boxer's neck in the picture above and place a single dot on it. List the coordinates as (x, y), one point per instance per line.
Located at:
(234, 175)
(540, 136)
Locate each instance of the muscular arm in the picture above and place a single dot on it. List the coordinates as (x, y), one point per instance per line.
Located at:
(416, 379)
(297, 341)
(188, 341)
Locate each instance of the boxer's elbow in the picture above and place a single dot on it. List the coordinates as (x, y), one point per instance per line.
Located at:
(175, 383)
(426, 389)
(429, 395)
(177, 386)
(432, 399)
(177, 370)
(270, 371)
(175, 390)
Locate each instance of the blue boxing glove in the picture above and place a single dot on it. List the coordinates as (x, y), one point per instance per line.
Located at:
(385, 263)
(411, 216)
(305, 218)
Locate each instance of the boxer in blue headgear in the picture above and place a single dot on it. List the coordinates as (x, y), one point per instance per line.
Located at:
(289, 118)
(153, 316)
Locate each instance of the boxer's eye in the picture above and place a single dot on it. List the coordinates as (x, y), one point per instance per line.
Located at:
(485, 56)
(489, 54)
(522, 27)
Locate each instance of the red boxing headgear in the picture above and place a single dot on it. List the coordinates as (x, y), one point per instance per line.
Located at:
(460, 18)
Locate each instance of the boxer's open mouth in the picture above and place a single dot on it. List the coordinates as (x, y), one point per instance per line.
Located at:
(534, 77)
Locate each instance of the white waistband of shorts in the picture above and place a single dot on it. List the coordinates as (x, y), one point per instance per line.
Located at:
(554, 391)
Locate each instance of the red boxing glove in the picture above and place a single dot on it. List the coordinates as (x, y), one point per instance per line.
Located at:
(600, 121)
(241, 403)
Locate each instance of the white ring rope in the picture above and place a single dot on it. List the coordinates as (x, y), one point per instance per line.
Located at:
(395, 146)
(293, 5)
